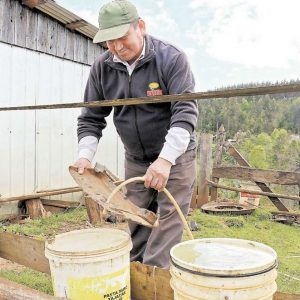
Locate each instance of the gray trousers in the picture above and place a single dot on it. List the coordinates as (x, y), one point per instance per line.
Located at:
(152, 246)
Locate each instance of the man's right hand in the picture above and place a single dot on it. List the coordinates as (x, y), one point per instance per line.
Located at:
(81, 164)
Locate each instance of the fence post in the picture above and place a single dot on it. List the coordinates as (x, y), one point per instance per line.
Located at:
(221, 135)
(205, 144)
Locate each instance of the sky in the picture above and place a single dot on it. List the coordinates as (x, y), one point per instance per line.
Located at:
(227, 41)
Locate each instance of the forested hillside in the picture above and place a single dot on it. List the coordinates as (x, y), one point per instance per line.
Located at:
(266, 128)
(252, 114)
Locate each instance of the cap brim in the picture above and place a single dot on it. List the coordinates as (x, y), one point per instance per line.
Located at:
(112, 33)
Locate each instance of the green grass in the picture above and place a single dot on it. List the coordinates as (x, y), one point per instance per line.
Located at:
(284, 239)
(48, 227)
(36, 280)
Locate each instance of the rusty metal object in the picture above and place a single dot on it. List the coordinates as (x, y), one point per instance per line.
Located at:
(284, 219)
(226, 207)
(99, 184)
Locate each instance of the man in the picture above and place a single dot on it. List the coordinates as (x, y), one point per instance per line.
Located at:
(159, 139)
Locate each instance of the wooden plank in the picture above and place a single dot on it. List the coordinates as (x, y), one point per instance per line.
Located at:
(76, 24)
(8, 26)
(288, 88)
(20, 24)
(205, 144)
(60, 203)
(239, 158)
(33, 3)
(260, 175)
(24, 250)
(42, 33)
(84, 50)
(39, 195)
(2, 6)
(70, 44)
(91, 52)
(61, 41)
(31, 30)
(10, 290)
(285, 296)
(52, 37)
(296, 198)
(94, 210)
(148, 283)
(80, 49)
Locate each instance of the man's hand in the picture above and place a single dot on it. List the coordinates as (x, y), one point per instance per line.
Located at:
(157, 174)
(81, 164)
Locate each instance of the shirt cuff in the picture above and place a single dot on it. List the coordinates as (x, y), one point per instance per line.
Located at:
(177, 141)
(87, 147)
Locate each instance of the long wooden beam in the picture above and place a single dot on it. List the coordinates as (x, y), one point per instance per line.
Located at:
(259, 175)
(10, 290)
(225, 187)
(274, 89)
(39, 195)
(147, 282)
(243, 162)
(33, 3)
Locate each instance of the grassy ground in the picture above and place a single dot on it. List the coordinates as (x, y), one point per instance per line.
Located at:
(284, 239)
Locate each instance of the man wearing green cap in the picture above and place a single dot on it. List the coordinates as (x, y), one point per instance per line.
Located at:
(159, 139)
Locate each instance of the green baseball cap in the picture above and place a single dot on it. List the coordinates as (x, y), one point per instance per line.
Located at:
(114, 20)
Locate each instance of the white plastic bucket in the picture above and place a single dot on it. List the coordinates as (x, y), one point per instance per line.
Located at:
(223, 268)
(90, 264)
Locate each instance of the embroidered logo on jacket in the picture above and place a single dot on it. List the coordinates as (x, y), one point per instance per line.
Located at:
(154, 90)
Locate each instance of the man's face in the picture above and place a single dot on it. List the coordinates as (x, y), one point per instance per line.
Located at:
(129, 47)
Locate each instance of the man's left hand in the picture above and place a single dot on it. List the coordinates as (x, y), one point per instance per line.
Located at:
(157, 174)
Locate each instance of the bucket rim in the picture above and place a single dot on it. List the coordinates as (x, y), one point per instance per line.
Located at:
(226, 272)
(49, 244)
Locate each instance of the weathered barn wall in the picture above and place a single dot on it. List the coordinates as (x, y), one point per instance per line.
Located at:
(34, 30)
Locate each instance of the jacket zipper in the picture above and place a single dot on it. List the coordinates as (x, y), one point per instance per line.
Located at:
(135, 118)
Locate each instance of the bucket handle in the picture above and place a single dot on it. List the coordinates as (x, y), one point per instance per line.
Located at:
(169, 196)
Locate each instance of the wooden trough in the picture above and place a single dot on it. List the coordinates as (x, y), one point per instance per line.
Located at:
(147, 283)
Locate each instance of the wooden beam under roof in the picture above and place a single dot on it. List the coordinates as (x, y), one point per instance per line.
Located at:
(33, 3)
(76, 24)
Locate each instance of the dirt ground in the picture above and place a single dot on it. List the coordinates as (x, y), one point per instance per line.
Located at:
(8, 265)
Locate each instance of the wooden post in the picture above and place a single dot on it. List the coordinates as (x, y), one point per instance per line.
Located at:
(218, 160)
(240, 159)
(195, 191)
(35, 208)
(94, 210)
(205, 145)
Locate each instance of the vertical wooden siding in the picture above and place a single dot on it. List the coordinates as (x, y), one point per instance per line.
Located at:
(34, 30)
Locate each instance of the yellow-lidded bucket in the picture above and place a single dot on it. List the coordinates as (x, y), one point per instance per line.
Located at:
(223, 268)
(90, 264)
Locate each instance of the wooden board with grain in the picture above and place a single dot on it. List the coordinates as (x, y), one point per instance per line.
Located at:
(259, 175)
(24, 250)
(99, 186)
(148, 283)
(243, 162)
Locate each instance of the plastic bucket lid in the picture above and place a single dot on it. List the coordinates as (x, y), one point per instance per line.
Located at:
(223, 257)
(88, 242)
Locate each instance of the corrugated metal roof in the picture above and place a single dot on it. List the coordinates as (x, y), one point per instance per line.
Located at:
(64, 16)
